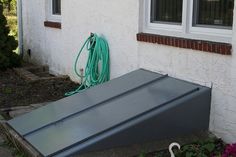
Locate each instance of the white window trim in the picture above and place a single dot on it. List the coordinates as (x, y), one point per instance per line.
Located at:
(185, 30)
(49, 12)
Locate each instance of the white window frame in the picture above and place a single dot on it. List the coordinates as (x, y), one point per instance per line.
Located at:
(49, 11)
(186, 29)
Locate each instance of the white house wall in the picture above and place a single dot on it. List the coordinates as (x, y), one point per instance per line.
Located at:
(115, 20)
(118, 21)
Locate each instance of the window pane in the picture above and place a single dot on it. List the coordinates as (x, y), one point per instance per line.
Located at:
(56, 7)
(169, 11)
(214, 12)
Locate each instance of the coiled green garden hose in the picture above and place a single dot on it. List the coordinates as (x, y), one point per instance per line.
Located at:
(97, 69)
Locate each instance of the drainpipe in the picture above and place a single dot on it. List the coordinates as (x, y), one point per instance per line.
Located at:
(20, 27)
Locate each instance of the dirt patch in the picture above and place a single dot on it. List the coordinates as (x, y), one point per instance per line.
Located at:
(15, 91)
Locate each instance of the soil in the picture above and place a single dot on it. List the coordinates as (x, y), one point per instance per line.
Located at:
(14, 91)
(163, 153)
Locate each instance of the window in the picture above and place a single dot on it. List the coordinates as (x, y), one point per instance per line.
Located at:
(194, 19)
(53, 10)
(56, 7)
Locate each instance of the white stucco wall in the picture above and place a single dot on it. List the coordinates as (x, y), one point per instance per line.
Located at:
(119, 22)
(58, 48)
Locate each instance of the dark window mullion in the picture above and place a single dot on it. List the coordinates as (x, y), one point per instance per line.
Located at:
(209, 13)
(221, 10)
(180, 2)
(228, 19)
(215, 10)
(175, 9)
(59, 6)
(172, 10)
(160, 9)
(169, 15)
(212, 12)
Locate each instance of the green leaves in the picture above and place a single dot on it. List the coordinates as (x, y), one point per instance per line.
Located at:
(209, 147)
(142, 154)
(4, 62)
(8, 58)
(204, 148)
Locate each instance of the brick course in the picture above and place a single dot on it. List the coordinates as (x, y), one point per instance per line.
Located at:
(201, 45)
(52, 24)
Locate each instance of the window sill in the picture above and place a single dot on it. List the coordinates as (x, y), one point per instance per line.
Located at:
(200, 45)
(51, 24)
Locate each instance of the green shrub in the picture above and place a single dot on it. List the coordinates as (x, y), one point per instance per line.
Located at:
(4, 62)
(206, 148)
(8, 58)
(12, 23)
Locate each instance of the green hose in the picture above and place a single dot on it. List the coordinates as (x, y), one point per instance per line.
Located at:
(97, 69)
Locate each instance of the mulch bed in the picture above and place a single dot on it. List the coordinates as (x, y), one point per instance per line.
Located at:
(14, 91)
(163, 153)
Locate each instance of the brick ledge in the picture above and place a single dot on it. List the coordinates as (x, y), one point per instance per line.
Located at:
(52, 24)
(201, 45)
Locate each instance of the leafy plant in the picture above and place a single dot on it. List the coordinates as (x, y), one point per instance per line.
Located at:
(9, 5)
(206, 148)
(12, 23)
(142, 154)
(230, 151)
(211, 147)
(162, 154)
(8, 58)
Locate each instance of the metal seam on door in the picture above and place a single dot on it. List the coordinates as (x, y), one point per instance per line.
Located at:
(96, 105)
(135, 117)
(147, 76)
